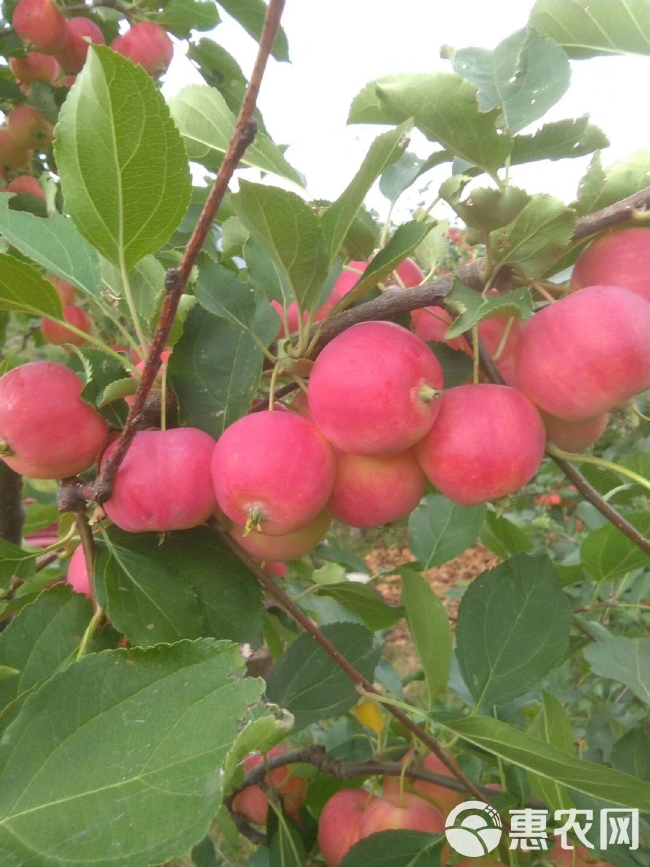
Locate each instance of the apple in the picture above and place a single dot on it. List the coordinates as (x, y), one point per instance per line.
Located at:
(444, 799)
(29, 129)
(349, 278)
(574, 436)
(371, 491)
(39, 24)
(274, 471)
(397, 811)
(487, 441)
(408, 274)
(35, 67)
(374, 389)
(292, 546)
(164, 482)
(46, 429)
(292, 313)
(77, 576)
(12, 154)
(148, 44)
(58, 334)
(64, 290)
(81, 33)
(253, 802)
(339, 826)
(26, 185)
(617, 258)
(587, 353)
(432, 323)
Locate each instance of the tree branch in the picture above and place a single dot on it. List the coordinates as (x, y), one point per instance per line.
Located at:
(12, 514)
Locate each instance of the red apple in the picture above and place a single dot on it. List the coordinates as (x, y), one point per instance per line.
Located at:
(148, 44)
(77, 576)
(617, 258)
(432, 323)
(81, 33)
(29, 129)
(339, 827)
(13, 155)
(46, 429)
(348, 278)
(397, 811)
(444, 799)
(164, 482)
(273, 471)
(292, 546)
(374, 389)
(574, 436)
(487, 441)
(58, 334)
(64, 290)
(252, 801)
(408, 274)
(35, 67)
(586, 354)
(26, 185)
(371, 491)
(40, 25)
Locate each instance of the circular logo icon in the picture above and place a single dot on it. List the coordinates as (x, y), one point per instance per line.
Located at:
(473, 829)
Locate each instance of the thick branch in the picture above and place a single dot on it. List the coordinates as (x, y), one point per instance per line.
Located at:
(11, 505)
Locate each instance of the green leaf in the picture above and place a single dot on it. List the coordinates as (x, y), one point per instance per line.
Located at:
(440, 530)
(397, 848)
(525, 76)
(626, 660)
(503, 537)
(607, 554)
(207, 124)
(600, 188)
(53, 243)
(14, 561)
(631, 754)
(457, 366)
(308, 683)
(338, 218)
(365, 602)
(513, 629)
(42, 638)
(444, 108)
(397, 178)
(486, 208)
(157, 723)
(406, 238)
(101, 372)
(146, 282)
(204, 854)
(181, 17)
(536, 238)
(559, 140)
(473, 307)
(215, 370)
(250, 14)
(123, 167)
(548, 761)
(429, 627)
(286, 848)
(553, 726)
(22, 288)
(291, 233)
(586, 28)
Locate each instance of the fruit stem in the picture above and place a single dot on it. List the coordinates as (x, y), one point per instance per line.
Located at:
(89, 634)
(476, 356)
(598, 462)
(427, 393)
(128, 295)
(274, 381)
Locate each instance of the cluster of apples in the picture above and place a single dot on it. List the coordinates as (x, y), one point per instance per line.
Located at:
(56, 47)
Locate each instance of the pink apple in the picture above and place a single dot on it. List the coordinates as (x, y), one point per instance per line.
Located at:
(26, 185)
(443, 799)
(618, 258)
(39, 24)
(164, 481)
(409, 274)
(397, 811)
(375, 389)
(148, 44)
(487, 441)
(77, 576)
(574, 436)
(584, 355)
(81, 33)
(339, 827)
(273, 471)
(371, 491)
(252, 801)
(432, 323)
(35, 67)
(58, 334)
(46, 429)
(349, 277)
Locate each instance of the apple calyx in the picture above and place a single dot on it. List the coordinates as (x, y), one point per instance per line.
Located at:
(6, 451)
(256, 518)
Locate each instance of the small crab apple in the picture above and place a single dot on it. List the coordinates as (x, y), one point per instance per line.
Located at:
(574, 436)
(39, 24)
(348, 278)
(26, 185)
(164, 482)
(487, 441)
(29, 128)
(294, 545)
(148, 44)
(587, 353)
(13, 155)
(81, 33)
(408, 274)
(339, 826)
(617, 258)
(371, 491)
(35, 67)
(444, 799)
(432, 323)
(374, 389)
(253, 802)
(46, 430)
(63, 289)
(273, 471)
(57, 334)
(398, 811)
(77, 576)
